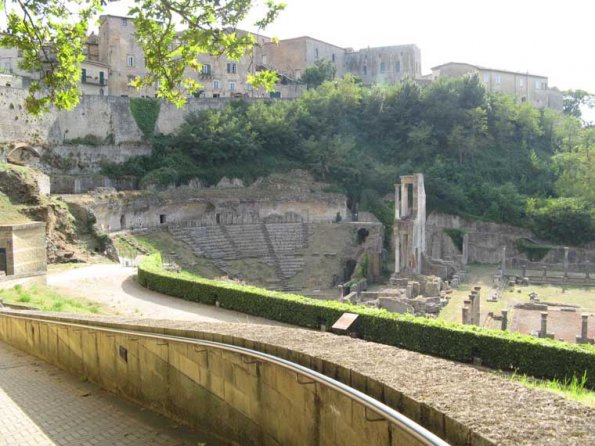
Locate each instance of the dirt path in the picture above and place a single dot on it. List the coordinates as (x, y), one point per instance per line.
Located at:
(114, 287)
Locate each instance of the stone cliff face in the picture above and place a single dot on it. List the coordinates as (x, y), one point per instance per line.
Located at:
(25, 190)
(100, 128)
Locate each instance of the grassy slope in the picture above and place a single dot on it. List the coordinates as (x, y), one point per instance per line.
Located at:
(45, 299)
(482, 275)
(9, 213)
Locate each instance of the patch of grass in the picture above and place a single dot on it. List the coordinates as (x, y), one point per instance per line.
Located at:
(482, 275)
(573, 389)
(10, 213)
(46, 299)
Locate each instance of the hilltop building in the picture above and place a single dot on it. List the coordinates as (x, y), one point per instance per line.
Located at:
(525, 87)
(384, 65)
(114, 59)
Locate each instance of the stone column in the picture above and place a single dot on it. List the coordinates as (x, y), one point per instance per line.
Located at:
(415, 198)
(477, 315)
(472, 311)
(566, 249)
(465, 249)
(584, 337)
(397, 252)
(524, 273)
(465, 315)
(504, 320)
(543, 330)
(503, 266)
(587, 269)
(397, 202)
(404, 200)
(584, 325)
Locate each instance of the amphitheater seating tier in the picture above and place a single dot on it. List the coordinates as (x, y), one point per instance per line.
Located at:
(278, 245)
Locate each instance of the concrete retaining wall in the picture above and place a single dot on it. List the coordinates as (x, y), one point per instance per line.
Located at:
(226, 393)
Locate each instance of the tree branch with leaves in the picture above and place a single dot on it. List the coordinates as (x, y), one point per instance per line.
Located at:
(52, 35)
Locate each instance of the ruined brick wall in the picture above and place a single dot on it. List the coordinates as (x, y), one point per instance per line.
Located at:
(25, 246)
(486, 240)
(106, 119)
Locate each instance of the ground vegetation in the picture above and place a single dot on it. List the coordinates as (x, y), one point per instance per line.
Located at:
(484, 155)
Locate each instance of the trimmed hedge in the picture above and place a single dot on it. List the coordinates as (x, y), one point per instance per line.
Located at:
(541, 358)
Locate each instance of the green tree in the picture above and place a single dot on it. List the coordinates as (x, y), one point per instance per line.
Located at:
(51, 34)
(322, 70)
(574, 99)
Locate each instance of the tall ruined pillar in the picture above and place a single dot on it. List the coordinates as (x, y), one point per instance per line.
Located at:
(503, 266)
(465, 249)
(397, 252)
(504, 325)
(404, 200)
(566, 261)
(397, 202)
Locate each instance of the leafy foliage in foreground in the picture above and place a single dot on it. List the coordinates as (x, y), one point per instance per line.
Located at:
(483, 155)
(501, 350)
(52, 34)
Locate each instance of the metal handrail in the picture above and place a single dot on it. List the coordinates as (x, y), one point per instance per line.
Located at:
(381, 409)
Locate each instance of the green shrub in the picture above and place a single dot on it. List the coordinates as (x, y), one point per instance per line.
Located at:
(88, 140)
(562, 220)
(541, 358)
(145, 112)
(456, 235)
(160, 178)
(533, 251)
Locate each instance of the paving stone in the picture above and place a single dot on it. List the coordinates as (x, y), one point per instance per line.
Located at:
(40, 405)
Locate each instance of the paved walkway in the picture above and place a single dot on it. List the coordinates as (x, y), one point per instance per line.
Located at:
(42, 405)
(114, 287)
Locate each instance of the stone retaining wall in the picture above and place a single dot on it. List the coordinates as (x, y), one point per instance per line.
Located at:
(241, 399)
(460, 403)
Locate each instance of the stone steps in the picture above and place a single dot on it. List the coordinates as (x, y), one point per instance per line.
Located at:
(276, 244)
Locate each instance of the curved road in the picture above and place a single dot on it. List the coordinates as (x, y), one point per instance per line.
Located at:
(114, 287)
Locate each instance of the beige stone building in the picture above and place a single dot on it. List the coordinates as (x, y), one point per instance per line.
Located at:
(525, 87)
(384, 65)
(22, 251)
(290, 57)
(13, 75)
(219, 76)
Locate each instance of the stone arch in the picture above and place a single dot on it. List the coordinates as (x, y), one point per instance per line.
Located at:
(22, 154)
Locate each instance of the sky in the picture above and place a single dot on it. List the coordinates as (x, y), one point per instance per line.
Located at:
(551, 38)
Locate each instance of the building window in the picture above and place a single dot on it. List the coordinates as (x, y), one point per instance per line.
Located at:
(83, 75)
(316, 53)
(206, 68)
(216, 85)
(264, 59)
(130, 61)
(124, 22)
(497, 79)
(521, 82)
(382, 67)
(232, 67)
(162, 219)
(486, 78)
(101, 92)
(398, 66)
(101, 78)
(216, 95)
(333, 57)
(365, 70)
(249, 87)
(232, 86)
